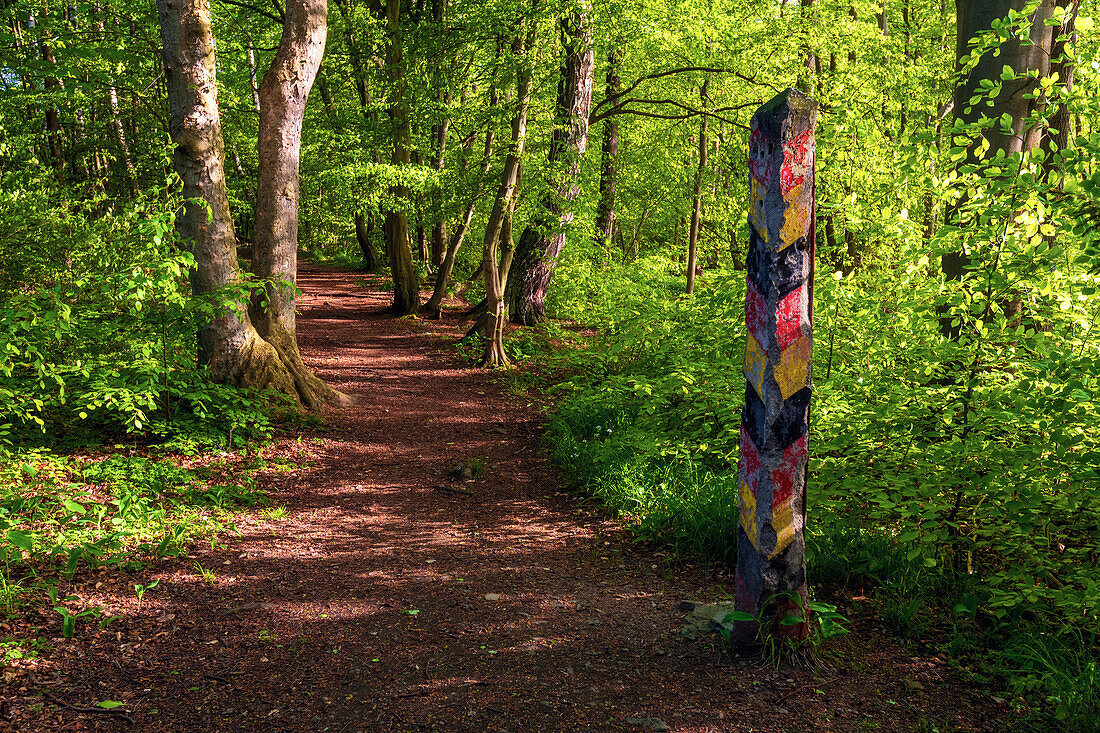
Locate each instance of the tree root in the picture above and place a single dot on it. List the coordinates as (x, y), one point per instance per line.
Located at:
(275, 364)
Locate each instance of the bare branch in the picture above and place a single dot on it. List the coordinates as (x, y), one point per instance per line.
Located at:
(254, 9)
(621, 108)
(681, 70)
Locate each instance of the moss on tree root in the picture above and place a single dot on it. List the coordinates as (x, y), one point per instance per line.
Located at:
(275, 363)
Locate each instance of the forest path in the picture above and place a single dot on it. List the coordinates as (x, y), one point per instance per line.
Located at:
(389, 598)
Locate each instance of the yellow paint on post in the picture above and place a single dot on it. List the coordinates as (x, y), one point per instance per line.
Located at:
(755, 361)
(794, 221)
(783, 524)
(793, 371)
(748, 513)
(756, 208)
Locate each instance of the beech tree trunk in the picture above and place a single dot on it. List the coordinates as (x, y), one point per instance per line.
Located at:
(504, 204)
(229, 345)
(283, 94)
(534, 262)
(973, 17)
(406, 287)
(605, 210)
(697, 193)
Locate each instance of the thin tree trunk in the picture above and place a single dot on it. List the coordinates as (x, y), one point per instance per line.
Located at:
(116, 117)
(526, 294)
(808, 79)
(494, 355)
(406, 287)
(252, 77)
(433, 307)
(364, 235)
(1062, 65)
(439, 138)
(364, 224)
(53, 123)
(697, 192)
(605, 210)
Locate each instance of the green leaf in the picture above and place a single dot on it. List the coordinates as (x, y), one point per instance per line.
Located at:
(23, 540)
(74, 506)
(738, 616)
(110, 704)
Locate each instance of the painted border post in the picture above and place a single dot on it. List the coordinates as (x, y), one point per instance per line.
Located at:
(771, 475)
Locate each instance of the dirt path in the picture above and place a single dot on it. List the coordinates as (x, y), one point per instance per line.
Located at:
(390, 598)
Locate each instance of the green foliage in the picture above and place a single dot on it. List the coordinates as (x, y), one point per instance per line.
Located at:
(57, 514)
(1060, 668)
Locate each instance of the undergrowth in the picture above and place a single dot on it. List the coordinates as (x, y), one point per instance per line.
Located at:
(966, 496)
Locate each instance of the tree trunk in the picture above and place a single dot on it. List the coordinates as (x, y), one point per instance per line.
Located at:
(53, 122)
(439, 138)
(364, 234)
(228, 344)
(494, 355)
(605, 210)
(697, 193)
(364, 224)
(808, 78)
(284, 92)
(252, 76)
(439, 227)
(973, 17)
(1058, 134)
(406, 287)
(433, 307)
(526, 294)
(116, 117)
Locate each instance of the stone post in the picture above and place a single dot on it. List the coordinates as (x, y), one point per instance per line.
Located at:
(771, 545)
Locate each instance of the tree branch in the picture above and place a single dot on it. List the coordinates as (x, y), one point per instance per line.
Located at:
(620, 109)
(669, 72)
(254, 9)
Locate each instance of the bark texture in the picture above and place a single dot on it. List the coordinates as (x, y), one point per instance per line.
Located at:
(283, 94)
(406, 287)
(605, 210)
(538, 250)
(228, 343)
(504, 204)
(973, 17)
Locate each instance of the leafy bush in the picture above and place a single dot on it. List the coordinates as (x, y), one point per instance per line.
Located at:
(97, 328)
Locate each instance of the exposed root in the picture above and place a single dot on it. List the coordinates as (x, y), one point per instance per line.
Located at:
(275, 364)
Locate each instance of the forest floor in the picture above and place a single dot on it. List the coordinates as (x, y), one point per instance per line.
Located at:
(392, 597)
